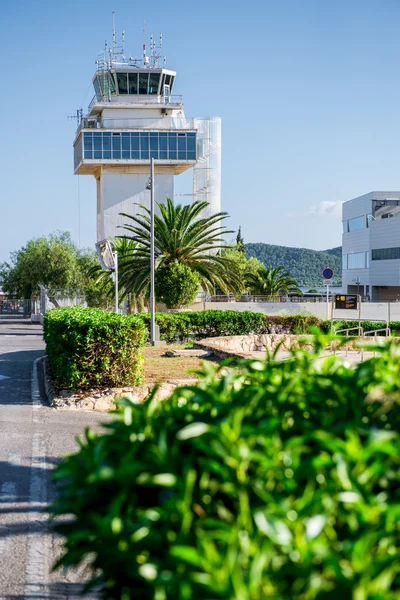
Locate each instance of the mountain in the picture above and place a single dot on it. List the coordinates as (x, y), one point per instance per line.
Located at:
(303, 264)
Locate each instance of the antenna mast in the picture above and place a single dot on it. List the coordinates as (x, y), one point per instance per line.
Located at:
(114, 36)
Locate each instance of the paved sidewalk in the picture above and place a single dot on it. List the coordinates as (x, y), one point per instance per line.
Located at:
(33, 437)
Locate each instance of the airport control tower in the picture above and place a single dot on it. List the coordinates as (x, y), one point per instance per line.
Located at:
(133, 117)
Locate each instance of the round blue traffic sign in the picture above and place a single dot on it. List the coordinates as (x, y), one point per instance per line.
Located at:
(327, 273)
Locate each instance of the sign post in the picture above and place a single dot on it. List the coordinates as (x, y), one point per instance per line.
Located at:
(109, 262)
(327, 274)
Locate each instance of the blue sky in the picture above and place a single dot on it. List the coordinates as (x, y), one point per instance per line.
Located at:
(308, 93)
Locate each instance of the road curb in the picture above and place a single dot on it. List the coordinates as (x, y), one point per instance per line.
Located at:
(48, 386)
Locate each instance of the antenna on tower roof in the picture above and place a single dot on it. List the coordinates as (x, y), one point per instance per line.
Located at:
(123, 40)
(114, 37)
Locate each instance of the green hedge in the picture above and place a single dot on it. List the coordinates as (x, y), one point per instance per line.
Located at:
(87, 347)
(215, 323)
(272, 480)
(369, 325)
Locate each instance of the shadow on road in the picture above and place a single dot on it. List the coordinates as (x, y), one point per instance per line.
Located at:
(17, 368)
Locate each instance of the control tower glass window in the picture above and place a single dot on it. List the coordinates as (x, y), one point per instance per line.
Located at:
(106, 83)
(122, 79)
(133, 83)
(154, 80)
(143, 83)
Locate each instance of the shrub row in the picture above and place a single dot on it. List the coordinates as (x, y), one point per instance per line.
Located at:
(87, 347)
(272, 480)
(369, 325)
(215, 323)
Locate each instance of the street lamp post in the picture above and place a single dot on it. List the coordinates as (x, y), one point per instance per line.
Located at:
(358, 282)
(152, 295)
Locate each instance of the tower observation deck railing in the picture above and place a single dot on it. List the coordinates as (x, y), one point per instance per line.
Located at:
(167, 123)
(133, 99)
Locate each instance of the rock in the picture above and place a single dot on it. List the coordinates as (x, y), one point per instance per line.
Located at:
(189, 352)
(165, 390)
(105, 403)
(86, 403)
(67, 393)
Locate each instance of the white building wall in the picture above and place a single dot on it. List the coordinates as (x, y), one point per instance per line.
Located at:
(119, 192)
(382, 276)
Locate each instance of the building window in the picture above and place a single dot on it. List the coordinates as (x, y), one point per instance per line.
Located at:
(357, 260)
(357, 223)
(106, 145)
(122, 79)
(385, 254)
(344, 261)
(345, 226)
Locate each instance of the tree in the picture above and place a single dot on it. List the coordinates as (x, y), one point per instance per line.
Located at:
(103, 280)
(271, 282)
(176, 285)
(50, 261)
(181, 236)
(55, 262)
(244, 266)
(240, 242)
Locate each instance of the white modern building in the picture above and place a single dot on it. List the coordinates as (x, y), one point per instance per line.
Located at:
(133, 117)
(371, 246)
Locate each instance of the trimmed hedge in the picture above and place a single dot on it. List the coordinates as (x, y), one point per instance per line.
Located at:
(369, 325)
(216, 323)
(87, 347)
(270, 480)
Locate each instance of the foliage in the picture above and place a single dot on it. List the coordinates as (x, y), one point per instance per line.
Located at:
(55, 262)
(270, 480)
(215, 323)
(50, 261)
(176, 285)
(207, 323)
(313, 291)
(240, 242)
(181, 235)
(87, 347)
(125, 249)
(368, 325)
(243, 265)
(304, 265)
(271, 282)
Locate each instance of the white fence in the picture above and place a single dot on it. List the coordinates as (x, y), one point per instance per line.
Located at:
(371, 311)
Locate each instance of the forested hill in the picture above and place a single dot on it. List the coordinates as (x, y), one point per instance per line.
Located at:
(303, 264)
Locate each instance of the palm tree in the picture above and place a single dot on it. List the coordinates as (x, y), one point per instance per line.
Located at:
(182, 236)
(126, 249)
(271, 282)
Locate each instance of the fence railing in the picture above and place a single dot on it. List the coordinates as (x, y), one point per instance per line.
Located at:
(251, 298)
(18, 307)
(137, 99)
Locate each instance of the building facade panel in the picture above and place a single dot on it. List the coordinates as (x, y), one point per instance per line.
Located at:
(379, 240)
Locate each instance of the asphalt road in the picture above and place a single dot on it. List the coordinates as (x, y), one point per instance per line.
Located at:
(33, 437)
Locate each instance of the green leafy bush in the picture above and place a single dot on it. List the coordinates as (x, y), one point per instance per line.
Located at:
(176, 285)
(270, 480)
(87, 347)
(215, 323)
(368, 325)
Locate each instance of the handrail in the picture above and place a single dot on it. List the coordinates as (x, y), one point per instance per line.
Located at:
(375, 331)
(359, 329)
(139, 99)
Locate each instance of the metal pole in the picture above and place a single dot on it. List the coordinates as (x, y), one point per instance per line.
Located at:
(116, 282)
(152, 298)
(327, 301)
